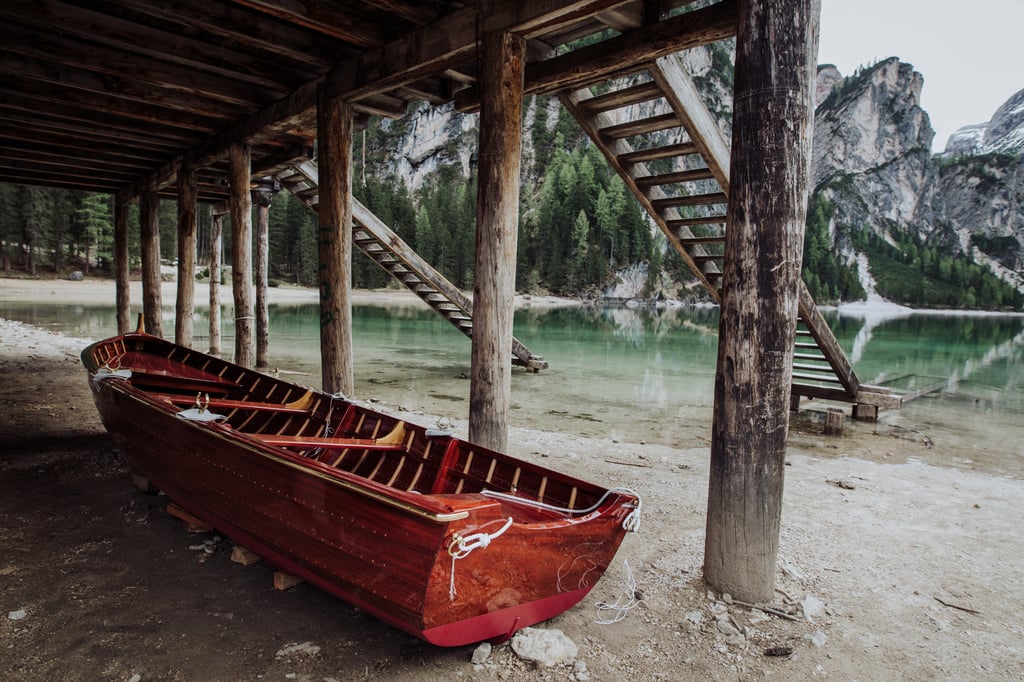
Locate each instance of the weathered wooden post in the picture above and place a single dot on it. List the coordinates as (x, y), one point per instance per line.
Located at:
(334, 135)
(239, 156)
(776, 49)
(262, 197)
(497, 213)
(122, 272)
(216, 256)
(149, 229)
(184, 304)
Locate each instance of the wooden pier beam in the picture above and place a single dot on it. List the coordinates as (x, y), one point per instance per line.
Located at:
(776, 49)
(216, 258)
(149, 230)
(497, 214)
(122, 271)
(239, 157)
(184, 304)
(334, 135)
(262, 197)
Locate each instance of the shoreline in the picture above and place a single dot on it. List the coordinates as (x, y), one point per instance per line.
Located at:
(94, 290)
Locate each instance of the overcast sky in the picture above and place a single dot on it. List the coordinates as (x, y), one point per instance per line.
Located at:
(970, 54)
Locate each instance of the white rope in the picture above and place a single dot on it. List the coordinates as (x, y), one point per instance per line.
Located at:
(630, 524)
(106, 373)
(461, 547)
(624, 603)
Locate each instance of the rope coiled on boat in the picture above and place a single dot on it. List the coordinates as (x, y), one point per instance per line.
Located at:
(461, 547)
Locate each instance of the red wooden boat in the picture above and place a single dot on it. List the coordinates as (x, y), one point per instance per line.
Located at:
(439, 537)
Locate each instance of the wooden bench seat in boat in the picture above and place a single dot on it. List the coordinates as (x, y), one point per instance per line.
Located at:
(300, 406)
(194, 384)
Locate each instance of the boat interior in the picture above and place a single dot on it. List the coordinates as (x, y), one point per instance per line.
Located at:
(341, 434)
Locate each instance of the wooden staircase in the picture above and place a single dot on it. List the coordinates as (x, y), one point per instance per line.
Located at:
(676, 161)
(388, 250)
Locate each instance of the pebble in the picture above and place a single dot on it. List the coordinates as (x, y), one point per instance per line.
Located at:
(135, 678)
(545, 647)
(481, 653)
(812, 607)
(307, 648)
(17, 615)
(727, 628)
(817, 638)
(695, 617)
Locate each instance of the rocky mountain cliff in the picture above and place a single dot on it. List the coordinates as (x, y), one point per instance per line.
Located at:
(873, 173)
(1002, 134)
(872, 149)
(871, 161)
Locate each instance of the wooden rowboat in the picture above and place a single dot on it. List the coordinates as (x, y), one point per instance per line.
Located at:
(437, 536)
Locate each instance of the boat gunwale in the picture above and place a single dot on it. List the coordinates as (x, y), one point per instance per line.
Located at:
(412, 503)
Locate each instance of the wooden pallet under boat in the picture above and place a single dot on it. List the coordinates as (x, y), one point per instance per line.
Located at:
(437, 536)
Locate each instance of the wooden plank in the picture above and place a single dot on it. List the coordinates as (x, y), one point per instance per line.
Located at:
(144, 72)
(641, 126)
(826, 341)
(603, 60)
(654, 153)
(642, 92)
(176, 48)
(497, 216)
(193, 524)
(308, 442)
(675, 177)
(690, 200)
(226, 403)
(702, 127)
(286, 581)
(244, 555)
(142, 483)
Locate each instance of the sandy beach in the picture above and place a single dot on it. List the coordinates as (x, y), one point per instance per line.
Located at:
(889, 568)
(94, 290)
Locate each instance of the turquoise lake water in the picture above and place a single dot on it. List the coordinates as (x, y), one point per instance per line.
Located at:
(639, 374)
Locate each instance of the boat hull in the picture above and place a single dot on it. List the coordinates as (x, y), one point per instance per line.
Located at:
(382, 549)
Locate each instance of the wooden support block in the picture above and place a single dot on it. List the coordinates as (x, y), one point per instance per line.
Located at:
(143, 484)
(194, 524)
(865, 413)
(284, 581)
(244, 555)
(834, 420)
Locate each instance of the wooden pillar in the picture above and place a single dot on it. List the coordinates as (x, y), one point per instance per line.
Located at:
(334, 135)
(149, 228)
(122, 272)
(776, 49)
(185, 302)
(262, 197)
(239, 156)
(216, 256)
(497, 216)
